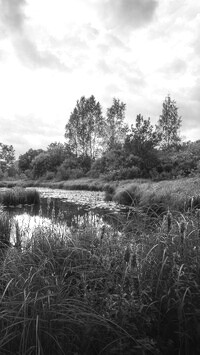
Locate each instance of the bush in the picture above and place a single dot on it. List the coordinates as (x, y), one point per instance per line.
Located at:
(129, 195)
(109, 192)
(50, 175)
(69, 173)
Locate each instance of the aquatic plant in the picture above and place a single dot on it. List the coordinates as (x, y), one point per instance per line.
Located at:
(5, 228)
(19, 196)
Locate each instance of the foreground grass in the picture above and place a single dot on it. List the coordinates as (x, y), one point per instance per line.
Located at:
(101, 292)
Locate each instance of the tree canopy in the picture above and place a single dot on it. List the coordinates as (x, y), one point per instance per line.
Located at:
(85, 127)
(169, 124)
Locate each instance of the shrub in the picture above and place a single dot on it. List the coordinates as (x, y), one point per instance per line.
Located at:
(109, 192)
(50, 175)
(129, 195)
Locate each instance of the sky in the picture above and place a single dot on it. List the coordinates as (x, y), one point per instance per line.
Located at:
(52, 52)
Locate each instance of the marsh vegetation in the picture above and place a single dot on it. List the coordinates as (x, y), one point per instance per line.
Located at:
(19, 196)
(97, 291)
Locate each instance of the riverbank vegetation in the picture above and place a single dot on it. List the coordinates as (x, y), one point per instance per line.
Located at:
(95, 291)
(19, 196)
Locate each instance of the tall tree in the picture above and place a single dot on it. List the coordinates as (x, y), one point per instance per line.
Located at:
(115, 128)
(7, 156)
(85, 127)
(169, 124)
(142, 142)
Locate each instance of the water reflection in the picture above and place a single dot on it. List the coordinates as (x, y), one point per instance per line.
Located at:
(63, 216)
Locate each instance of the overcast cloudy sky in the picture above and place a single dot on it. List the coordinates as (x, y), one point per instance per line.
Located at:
(54, 51)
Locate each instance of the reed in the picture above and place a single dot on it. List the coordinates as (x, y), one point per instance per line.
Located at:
(19, 196)
(5, 229)
(102, 292)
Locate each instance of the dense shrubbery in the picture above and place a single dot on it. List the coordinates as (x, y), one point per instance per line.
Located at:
(119, 163)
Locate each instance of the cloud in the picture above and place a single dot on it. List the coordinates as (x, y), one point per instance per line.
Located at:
(30, 55)
(127, 14)
(29, 132)
(175, 68)
(12, 14)
(13, 25)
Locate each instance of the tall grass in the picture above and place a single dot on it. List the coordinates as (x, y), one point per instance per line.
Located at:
(158, 197)
(5, 228)
(66, 294)
(103, 292)
(19, 196)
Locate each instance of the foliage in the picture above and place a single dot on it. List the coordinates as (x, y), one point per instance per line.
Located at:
(115, 129)
(25, 160)
(7, 157)
(85, 127)
(181, 163)
(40, 164)
(57, 153)
(169, 124)
(142, 142)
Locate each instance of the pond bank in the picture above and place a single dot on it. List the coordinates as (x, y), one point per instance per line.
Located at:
(144, 194)
(85, 184)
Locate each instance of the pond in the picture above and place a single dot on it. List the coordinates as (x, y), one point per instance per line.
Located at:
(68, 211)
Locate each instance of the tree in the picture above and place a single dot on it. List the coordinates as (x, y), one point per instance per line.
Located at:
(115, 128)
(142, 141)
(40, 164)
(169, 124)
(84, 129)
(26, 159)
(57, 153)
(7, 156)
(143, 137)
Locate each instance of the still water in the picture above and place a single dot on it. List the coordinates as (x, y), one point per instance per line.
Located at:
(68, 211)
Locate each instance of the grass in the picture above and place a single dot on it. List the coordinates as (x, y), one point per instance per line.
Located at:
(64, 295)
(5, 228)
(19, 196)
(103, 292)
(79, 184)
(159, 197)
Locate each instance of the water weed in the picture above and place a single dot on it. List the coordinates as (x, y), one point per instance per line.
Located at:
(19, 196)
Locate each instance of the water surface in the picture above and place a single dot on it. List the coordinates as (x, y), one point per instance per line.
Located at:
(67, 211)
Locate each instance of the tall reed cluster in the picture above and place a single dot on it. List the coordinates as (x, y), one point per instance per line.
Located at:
(19, 196)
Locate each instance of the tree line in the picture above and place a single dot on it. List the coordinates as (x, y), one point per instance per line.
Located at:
(104, 145)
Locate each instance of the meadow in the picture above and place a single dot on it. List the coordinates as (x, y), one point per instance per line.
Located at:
(97, 292)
